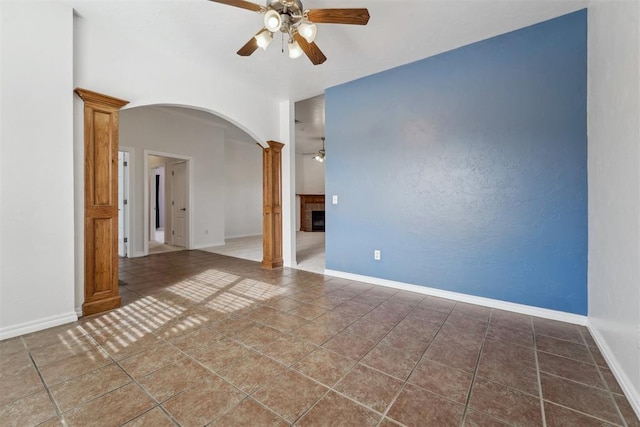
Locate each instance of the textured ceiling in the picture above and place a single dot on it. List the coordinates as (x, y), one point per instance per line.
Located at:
(399, 32)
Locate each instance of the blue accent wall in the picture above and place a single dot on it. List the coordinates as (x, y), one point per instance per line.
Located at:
(468, 170)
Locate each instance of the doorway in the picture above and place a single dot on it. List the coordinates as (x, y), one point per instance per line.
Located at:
(167, 202)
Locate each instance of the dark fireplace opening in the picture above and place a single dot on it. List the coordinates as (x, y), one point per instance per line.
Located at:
(317, 220)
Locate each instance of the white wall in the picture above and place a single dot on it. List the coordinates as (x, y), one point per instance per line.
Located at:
(130, 69)
(36, 167)
(309, 175)
(243, 189)
(614, 186)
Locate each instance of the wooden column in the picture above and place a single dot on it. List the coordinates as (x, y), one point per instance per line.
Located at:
(100, 201)
(272, 205)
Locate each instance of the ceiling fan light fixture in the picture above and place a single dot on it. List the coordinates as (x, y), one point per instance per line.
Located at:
(272, 20)
(308, 31)
(294, 49)
(263, 39)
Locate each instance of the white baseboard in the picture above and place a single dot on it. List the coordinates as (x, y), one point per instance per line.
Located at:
(79, 312)
(137, 255)
(632, 394)
(242, 235)
(37, 325)
(456, 296)
(207, 245)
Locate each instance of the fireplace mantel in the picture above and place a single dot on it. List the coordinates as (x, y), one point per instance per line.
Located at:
(308, 204)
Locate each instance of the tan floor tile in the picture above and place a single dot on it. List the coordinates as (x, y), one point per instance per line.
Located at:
(316, 333)
(506, 404)
(221, 354)
(627, 411)
(251, 372)
(559, 330)
(370, 330)
(349, 345)
(43, 356)
(112, 409)
(454, 352)
(571, 369)
(428, 314)
(208, 399)
(415, 407)
(407, 343)
(197, 340)
(438, 304)
(334, 409)
(443, 380)
(249, 413)
(150, 360)
(153, 418)
(563, 348)
(74, 366)
(324, 366)
(589, 400)
(391, 361)
(308, 311)
(516, 336)
(369, 387)
(28, 411)
(504, 352)
(172, 379)
(288, 350)
(19, 383)
(290, 395)
(257, 335)
(53, 422)
(611, 381)
(286, 322)
(512, 375)
(558, 416)
(11, 346)
(78, 390)
(11, 363)
(511, 320)
(479, 419)
(56, 335)
(122, 344)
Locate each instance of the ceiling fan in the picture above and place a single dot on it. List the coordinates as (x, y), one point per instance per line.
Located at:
(289, 17)
(319, 155)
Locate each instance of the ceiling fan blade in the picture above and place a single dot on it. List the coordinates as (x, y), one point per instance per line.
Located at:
(338, 16)
(312, 50)
(250, 46)
(242, 4)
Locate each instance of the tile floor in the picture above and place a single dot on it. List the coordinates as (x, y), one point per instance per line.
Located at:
(205, 339)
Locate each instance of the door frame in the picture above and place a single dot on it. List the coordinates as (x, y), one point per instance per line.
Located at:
(127, 212)
(145, 186)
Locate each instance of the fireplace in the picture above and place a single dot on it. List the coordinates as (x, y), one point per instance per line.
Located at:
(310, 203)
(317, 220)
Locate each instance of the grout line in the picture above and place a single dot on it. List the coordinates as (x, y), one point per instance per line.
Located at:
(46, 387)
(475, 370)
(535, 354)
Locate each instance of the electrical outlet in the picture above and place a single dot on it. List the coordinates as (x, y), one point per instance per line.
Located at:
(335, 199)
(376, 255)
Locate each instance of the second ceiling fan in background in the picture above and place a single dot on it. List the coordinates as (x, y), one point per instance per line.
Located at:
(289, 17)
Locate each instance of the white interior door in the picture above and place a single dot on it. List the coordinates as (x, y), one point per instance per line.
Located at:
(179, 204)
